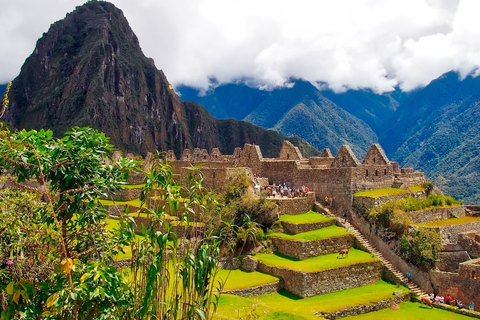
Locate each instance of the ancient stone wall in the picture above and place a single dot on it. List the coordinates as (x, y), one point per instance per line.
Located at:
(365, 308)
(308, 284)
(289, 152)
(450, 233)
(294, 205)
(419, 277)
(126, 194)
(446, 283)
(336, 178)
(136, 178)
(116, 210)
(470, 241)
(464, 285)
(307, 249)
(321, 161)
(376, 202)
(256, 291)
(333, 183)
(450, 261)
(296, 228)
(279, 171)
(435, 214)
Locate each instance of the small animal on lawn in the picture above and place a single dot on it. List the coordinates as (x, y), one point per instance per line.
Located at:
(427, 301)
(343, 253)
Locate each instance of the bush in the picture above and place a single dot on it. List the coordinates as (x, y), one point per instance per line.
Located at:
(421, 247)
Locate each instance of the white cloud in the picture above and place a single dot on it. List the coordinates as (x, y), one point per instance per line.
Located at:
(346, 43)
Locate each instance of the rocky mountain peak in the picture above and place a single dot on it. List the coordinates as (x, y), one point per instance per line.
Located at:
(89, 70)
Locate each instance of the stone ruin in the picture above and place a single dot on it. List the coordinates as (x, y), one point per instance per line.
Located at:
(337, 178)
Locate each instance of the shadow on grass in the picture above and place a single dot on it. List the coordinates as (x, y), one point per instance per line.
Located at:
(283, 316)
(289, 295)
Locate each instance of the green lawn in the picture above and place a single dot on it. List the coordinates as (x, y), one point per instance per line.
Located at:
(238, 279)
(113, 223)
(416, 188)
(285, 305)
(380, 192)
(448, 222)
(135, 202)
(410, 311)
(308, 217)
(331, 231)
(320, 263)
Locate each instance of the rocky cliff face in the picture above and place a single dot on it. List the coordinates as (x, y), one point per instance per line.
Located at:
(89, 70)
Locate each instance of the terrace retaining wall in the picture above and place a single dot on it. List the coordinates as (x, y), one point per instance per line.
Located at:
(296, 228)
(256, 291)
(308, 284)
(294, 206)
(306, 249)
(450, 233)
(376, 202)
(365, 308)
(436, 214)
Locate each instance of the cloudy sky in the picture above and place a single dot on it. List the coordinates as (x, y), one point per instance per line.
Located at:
(376, 44)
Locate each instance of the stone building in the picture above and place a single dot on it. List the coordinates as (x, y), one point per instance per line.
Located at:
(337, 178)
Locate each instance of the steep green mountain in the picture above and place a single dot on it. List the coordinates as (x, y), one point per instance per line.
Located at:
(300, 110)
(436, 130)
(89, 69)
(304, 112)
(366, 105)
(233, 100)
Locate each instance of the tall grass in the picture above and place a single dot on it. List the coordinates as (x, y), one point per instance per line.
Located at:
(174, 277)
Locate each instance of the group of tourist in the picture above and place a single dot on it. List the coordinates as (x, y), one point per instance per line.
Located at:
(284, 191)
(450, 301)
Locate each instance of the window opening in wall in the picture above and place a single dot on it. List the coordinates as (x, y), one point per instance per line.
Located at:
(366, 173)
(288, 156)
(474, 274)
(343, 159)
(373, 159)
(385, 171)
(376, 173)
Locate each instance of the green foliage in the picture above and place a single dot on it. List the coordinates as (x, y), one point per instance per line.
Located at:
(395, 214)
(428, 187)
(173, 277)
(244, 218)
(421, 247)
(65, 232)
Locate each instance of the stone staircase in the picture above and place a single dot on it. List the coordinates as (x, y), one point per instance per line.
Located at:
(367, 245)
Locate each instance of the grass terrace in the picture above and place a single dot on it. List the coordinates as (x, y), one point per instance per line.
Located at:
(314, 264)
(285, 305)
(309, 217)
(238, 279)
(112, 224)
(416, 188)
(328, 232)
(380, 192)
(135, 202)
(410, 311)
(448, 222)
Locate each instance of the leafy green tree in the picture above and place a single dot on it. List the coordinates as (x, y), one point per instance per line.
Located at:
(421, 247)
(69, 174)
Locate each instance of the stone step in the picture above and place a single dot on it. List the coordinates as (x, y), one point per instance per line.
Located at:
(364, 241)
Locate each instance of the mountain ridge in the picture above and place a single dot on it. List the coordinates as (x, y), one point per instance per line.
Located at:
(89, 70)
